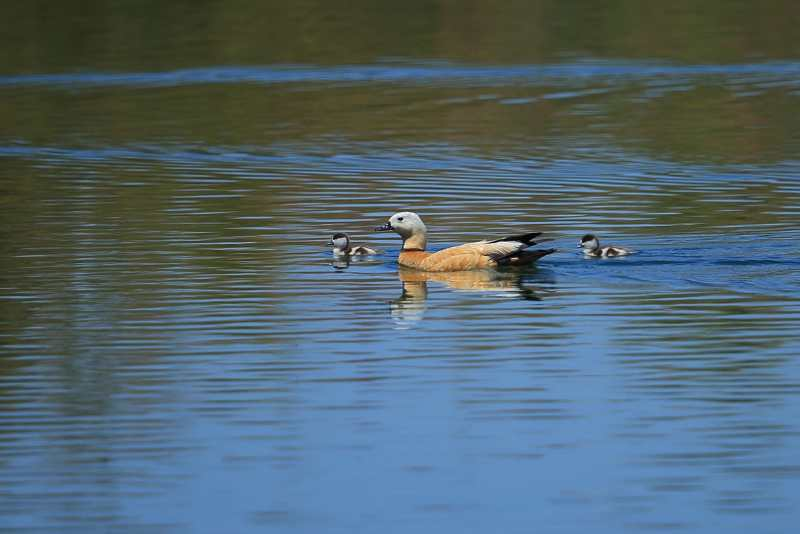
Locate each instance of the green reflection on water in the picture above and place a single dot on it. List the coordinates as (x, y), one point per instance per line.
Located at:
(133, 35)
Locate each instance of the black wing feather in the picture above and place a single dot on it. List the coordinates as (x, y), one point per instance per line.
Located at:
(525, 239)
(525, 257)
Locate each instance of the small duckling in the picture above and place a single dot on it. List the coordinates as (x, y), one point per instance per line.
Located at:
(591, 247)
(341, 247)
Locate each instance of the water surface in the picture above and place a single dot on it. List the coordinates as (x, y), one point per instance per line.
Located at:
(179, 352)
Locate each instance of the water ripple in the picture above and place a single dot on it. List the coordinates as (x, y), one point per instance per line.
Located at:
(768, 74)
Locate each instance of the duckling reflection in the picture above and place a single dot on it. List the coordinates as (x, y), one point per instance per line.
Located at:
(412, 303)
(340, 263)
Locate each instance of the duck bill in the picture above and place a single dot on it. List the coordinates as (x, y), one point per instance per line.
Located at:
(329, 243)
(384, 228)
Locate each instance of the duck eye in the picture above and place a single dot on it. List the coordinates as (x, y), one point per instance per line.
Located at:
(400, 219)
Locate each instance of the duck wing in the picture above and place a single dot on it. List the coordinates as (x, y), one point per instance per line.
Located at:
(525, 257)
(525, 239)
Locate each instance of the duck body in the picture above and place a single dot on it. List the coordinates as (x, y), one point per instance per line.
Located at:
(342, 247)
(362, 251)
(591, 247)
(477, 255)
(470, 256)
(607, 252)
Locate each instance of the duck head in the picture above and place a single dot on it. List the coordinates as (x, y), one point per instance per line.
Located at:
(589, 242)
(409, 226)
(340, 243)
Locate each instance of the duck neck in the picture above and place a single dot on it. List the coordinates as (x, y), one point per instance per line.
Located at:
(415, 242)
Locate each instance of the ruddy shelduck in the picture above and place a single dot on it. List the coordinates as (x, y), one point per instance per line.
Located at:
(479, 255)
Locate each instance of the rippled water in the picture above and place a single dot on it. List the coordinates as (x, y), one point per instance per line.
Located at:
(180, 352)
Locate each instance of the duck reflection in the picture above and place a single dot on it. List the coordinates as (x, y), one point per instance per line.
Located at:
(340, 263)
(410, 306)
(343, 262)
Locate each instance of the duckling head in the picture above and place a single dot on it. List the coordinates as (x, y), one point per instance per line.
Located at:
(340, 243)
(409, 226)
(589, 242)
